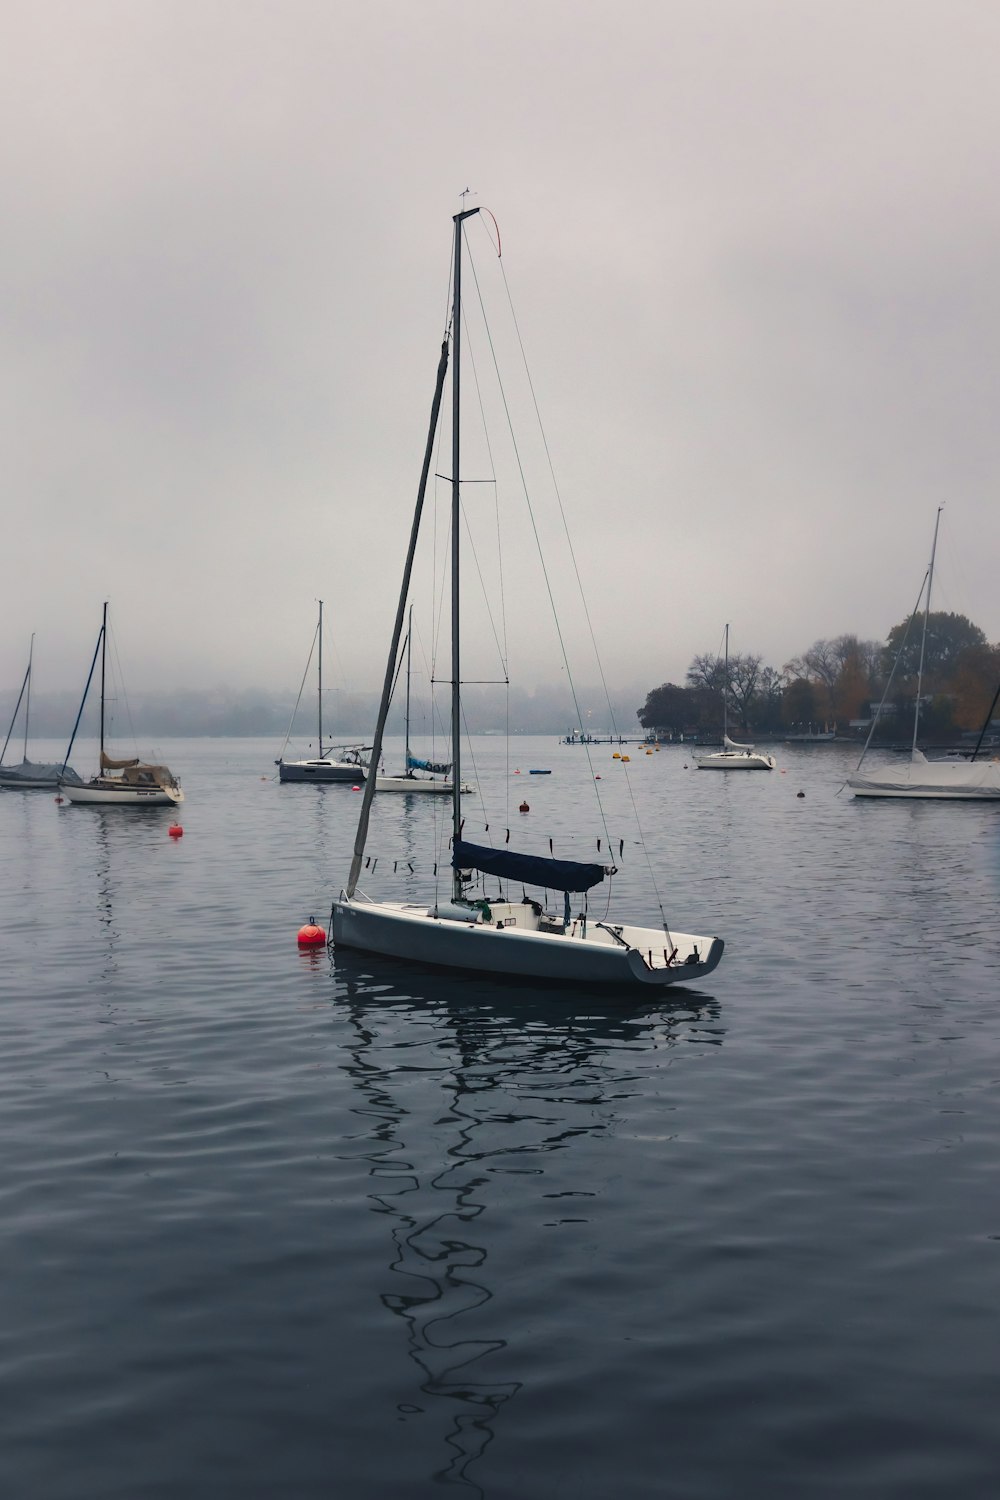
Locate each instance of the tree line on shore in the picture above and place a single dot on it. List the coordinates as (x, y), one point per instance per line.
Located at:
(839, 682)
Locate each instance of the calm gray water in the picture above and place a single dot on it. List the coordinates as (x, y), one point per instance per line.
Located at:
(281, 1224)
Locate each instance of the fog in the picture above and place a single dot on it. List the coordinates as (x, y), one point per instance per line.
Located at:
(751, 245)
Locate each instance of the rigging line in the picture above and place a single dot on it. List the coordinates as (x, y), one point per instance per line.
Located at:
(437, 596)
(649, 863)
(482, 583)
(558, 493)
(305, 674)
(399, 668)
(121, 684)
(27, 701)
(349, 700)
(504, 649)
(475, 768)
(583, 598)
(440, 549)
(13, 721)
(538, 544)
(899, 657)
(506, 751)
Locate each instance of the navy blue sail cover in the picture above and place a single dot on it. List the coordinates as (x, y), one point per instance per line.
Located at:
(553, 874)
(442, 767)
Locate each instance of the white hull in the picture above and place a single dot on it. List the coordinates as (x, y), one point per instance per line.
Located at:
(14, 780)
(326, 772)
(735, 760)
(416, 785)
(933, 781)
(94, 794)
(593, 956)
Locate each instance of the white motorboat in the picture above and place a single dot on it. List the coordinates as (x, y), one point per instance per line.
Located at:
(137, 783)
(492, 934)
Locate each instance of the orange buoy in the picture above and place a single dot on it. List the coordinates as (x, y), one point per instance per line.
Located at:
(624, 758)
(524, 807)
(175, 831)
(617, 755)
(311, 936)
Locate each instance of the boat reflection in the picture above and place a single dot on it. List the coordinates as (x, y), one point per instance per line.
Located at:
(103, 823)
(454, 1167)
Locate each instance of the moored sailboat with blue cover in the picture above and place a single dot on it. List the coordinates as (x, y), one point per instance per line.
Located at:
(497, 935)
(420, 777)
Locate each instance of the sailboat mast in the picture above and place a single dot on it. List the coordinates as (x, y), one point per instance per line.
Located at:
(923, 637)
(104, 655)
(725, 695)
(319, 694)
(27, 701)
(456, 517)
(409, 648)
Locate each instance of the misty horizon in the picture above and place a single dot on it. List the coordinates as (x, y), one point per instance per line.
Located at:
(259, 713)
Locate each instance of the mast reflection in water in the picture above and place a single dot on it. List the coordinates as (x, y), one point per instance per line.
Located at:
(519, 1078)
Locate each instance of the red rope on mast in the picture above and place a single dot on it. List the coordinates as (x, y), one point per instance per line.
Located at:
(496, 226)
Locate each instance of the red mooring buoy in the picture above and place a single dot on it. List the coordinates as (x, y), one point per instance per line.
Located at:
(58, 799)
(175, 831)
(355, 789)
(524, 807)
(311, 936)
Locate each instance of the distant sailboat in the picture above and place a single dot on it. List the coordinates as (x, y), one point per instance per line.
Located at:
(324, 768)
(498, 936)
(733, 757)
(419, 777)
(969, 780)
(30, 775)
(139, 784)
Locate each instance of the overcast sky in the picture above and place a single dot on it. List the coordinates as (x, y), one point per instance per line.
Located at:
(753, 249)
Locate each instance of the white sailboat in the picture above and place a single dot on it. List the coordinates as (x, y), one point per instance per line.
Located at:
(138, 783)
(497, 936)
(971, 780)
(733, 757)
(426, 778)
(325, 768)
(30, 775)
